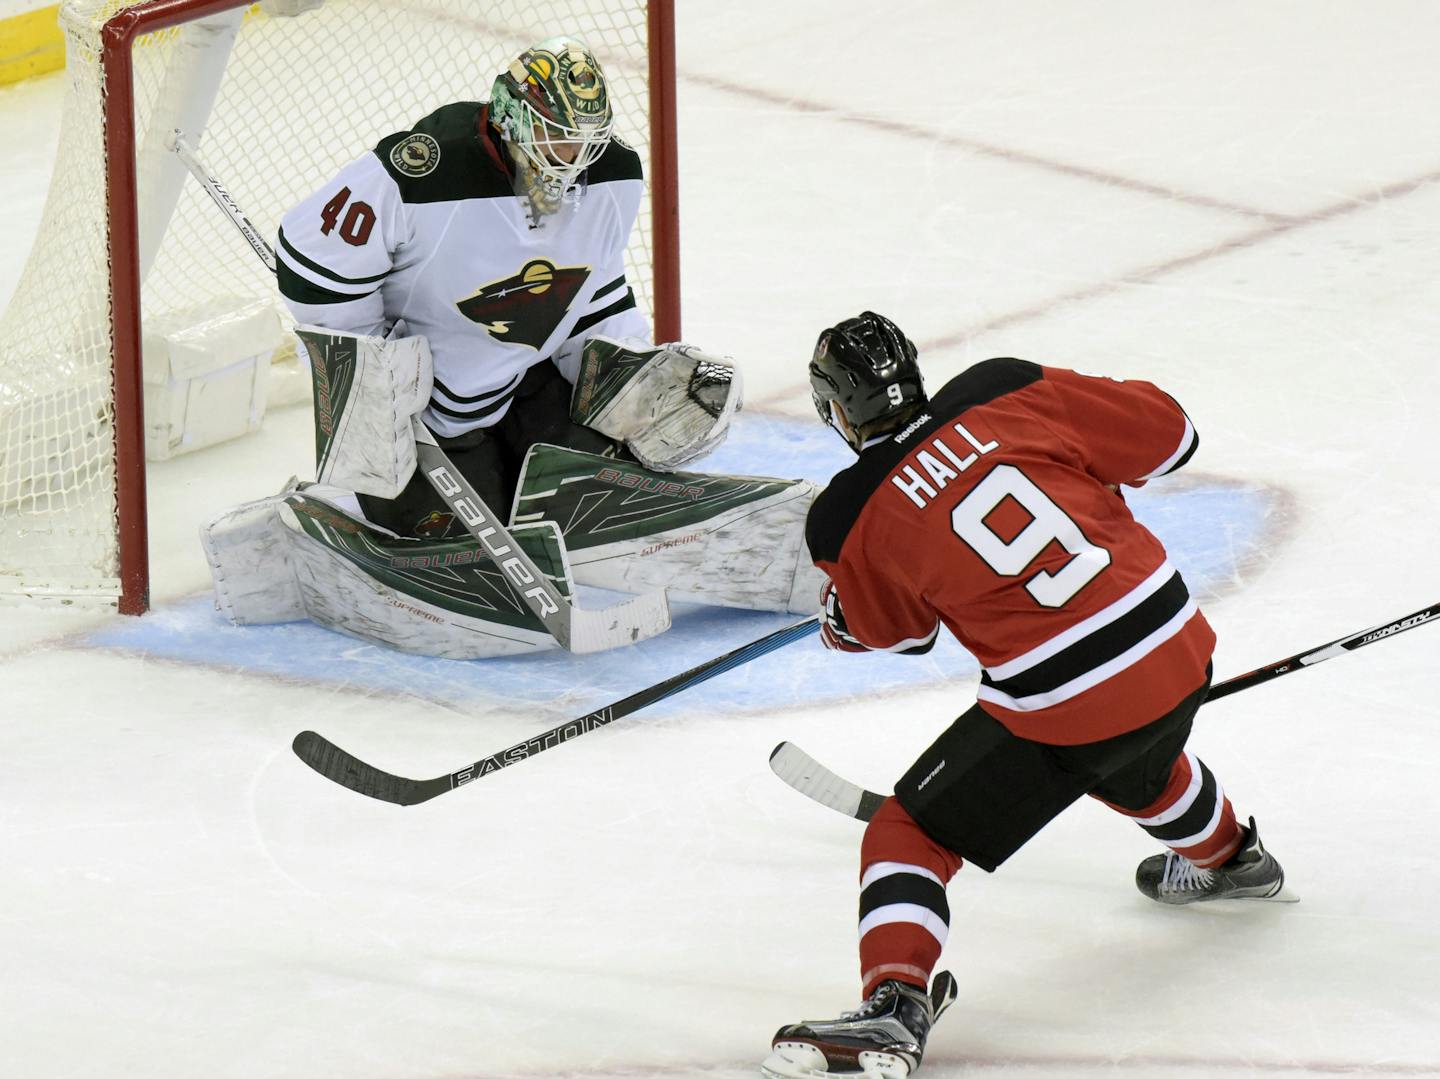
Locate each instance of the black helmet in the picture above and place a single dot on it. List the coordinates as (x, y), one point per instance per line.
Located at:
(866, 367)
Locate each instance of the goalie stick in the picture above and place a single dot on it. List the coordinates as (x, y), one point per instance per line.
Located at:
(812, 779)
(574, 628)
(350, 771)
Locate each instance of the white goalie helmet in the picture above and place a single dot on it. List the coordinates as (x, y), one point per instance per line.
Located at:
(552, 105)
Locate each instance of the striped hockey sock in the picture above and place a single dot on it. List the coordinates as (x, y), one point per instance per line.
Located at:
(904, 917)
(1192, 816)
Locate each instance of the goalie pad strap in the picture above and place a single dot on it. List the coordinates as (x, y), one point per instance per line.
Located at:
(366, 390)
(668, 403)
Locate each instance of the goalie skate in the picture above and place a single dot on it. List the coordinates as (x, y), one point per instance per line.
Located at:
(882, 1039)
(1251, 873)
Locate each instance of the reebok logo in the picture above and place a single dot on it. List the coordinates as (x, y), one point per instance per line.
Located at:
(913, 426)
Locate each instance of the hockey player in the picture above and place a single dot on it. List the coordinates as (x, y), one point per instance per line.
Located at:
(993, 509)
(497, 232)
(469, 271)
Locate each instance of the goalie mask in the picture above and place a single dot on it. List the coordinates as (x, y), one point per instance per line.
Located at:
(552, 106)
(864, 379)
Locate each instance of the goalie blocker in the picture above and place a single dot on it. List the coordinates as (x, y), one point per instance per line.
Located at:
(366, 391)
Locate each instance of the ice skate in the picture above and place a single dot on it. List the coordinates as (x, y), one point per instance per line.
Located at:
(1251, 873)
(882, 1039)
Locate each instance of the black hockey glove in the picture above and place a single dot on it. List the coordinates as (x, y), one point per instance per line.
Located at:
(834, 633)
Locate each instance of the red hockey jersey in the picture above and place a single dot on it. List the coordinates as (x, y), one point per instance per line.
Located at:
(993, 513)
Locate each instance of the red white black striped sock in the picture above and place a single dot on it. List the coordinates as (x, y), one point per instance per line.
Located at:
(1192, 816)
(904, 917)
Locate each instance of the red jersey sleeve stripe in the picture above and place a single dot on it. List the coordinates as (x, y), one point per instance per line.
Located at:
(910, 642)
(1189, 442)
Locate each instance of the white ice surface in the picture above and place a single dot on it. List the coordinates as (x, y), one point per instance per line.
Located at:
(1238, 201)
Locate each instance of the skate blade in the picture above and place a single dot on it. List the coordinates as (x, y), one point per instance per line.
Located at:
(794, 1060)
(799, 1060)
(1223, 902)
(1284, 895)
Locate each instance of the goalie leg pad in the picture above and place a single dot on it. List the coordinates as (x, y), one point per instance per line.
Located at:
(732, 541)
(249, 552)
(669, 403)
(366, 390)
(292, 557)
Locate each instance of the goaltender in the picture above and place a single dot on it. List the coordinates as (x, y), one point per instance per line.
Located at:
(469, 271)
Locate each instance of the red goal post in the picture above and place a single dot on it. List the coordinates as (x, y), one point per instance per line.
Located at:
(160, 267)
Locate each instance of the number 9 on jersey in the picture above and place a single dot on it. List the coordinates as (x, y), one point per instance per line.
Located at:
(1048, 523)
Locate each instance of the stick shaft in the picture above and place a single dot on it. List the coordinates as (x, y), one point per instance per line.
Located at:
(526, 579)
(228, 206)
(1310, 658)
(642, 699)
(341, 767)
(812, 779)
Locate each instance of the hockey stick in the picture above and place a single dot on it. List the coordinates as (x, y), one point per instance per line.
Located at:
(812, 779)
(574, 628)
(344, 768)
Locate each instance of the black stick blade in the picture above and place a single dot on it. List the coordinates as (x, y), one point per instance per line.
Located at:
(350, 771)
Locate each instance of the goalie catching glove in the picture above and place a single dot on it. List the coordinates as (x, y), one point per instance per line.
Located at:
(668, 403)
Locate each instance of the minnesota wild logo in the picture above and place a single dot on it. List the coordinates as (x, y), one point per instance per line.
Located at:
(417, 155)
(525, 308)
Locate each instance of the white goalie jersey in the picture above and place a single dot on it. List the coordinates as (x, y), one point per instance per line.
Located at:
(425, 236)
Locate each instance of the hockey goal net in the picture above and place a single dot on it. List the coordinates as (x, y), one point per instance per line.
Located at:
(276, 96)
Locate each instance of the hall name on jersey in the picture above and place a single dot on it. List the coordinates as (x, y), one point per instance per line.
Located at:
(940, 462)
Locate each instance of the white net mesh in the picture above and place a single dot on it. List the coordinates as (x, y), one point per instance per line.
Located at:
(299, 97)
